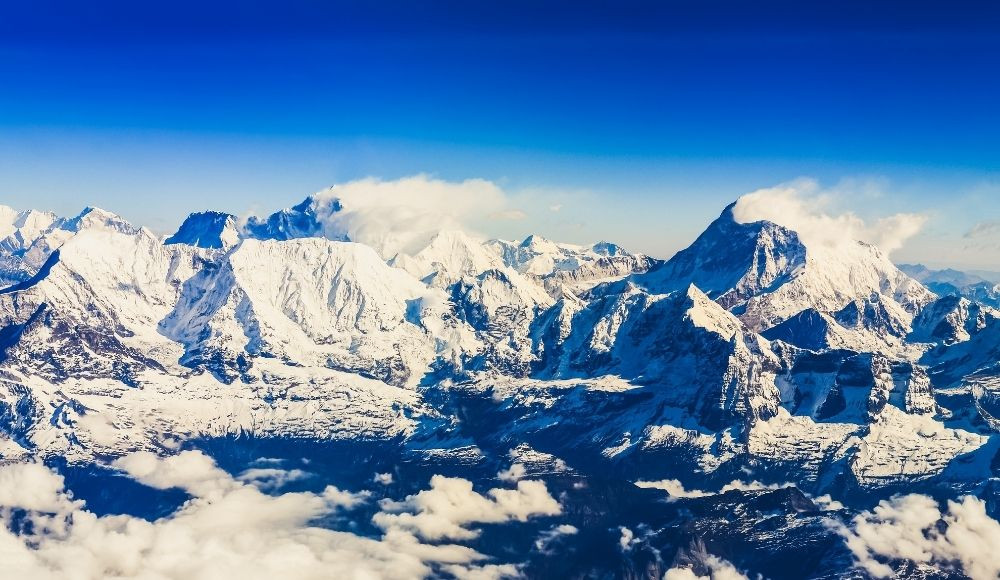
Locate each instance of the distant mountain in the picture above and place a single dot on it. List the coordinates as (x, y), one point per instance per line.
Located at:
(208, 229)
(953, 282)
(299, 221)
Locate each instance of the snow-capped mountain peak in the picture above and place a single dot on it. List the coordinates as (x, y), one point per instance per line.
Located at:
(450, 255)
(100, 219)
(298, 221)
(765, 273)
(208, 229)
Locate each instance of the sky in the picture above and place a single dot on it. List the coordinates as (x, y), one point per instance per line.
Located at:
(635, 122)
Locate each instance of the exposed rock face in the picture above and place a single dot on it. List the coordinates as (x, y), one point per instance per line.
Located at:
(208, 229)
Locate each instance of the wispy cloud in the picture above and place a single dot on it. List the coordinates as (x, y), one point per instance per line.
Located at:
(983, 229)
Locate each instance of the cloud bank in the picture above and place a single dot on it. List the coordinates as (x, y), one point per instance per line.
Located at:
(915, 528)
(804, 207)
(231, 529)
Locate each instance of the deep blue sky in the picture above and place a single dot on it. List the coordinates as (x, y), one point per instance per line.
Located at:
(664, 109)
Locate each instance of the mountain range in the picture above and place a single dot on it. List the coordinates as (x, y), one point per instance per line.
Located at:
(814, 371)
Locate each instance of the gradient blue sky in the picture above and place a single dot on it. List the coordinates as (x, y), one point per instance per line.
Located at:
(644, 119)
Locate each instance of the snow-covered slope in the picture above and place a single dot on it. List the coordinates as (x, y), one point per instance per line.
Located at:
(747, 350)
(311, 302)
(765, 274)
(448, 257)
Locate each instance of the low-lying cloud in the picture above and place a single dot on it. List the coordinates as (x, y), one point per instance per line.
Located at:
(915, 528)
(676, 490)
(804, 207)
(231, 528)
(444, 510)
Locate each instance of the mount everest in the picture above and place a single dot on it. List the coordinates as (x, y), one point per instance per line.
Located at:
(814, 371)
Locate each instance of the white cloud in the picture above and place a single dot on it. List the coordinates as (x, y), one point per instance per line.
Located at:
(515, 472)
(33, 487)
(914, 528)
(404, 214)
(827, 503)
(551, 536)
(444, 510)
(232, 529)
(383, 478)
(626, 539)
(804, 207)
(191, 471)
(675, 489)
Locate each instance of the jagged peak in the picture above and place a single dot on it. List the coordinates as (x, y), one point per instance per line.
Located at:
(95, 218)
(706, 313)
(539, 244)
(298, 221)
(207, 229)
(8, 214)
(604, 248)
(304, 206)
(29, 222)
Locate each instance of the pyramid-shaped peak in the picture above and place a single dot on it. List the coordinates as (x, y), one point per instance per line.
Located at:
(298, 221)
(95, 218)
(207, 229)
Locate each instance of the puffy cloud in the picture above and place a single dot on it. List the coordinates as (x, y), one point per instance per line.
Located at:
(403, 215)
(626, 539)
(444, 510)
(230, 528)
(803, 207)
(515, 472)
(192, 471)
(32, 486)
(914, 528)
(827, 503)
(383, 478)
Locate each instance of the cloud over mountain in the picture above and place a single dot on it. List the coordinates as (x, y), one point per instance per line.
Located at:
(803, 206)
(402, 215)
